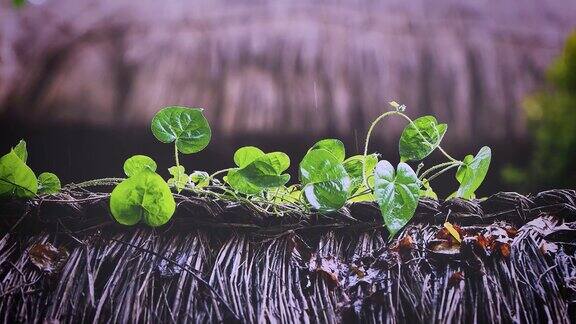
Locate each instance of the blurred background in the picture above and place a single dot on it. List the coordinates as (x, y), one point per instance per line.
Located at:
(81, 79)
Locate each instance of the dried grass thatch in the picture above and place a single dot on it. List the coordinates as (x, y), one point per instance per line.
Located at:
(63, 259)
(291, 67)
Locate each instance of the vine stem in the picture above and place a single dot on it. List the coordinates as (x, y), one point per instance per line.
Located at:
(217, 173)
(97, 182)
(176, 155)
(365, 192)
(436, 167)
(437, 174)
(367, 141)
(448, 156)
(369, 134)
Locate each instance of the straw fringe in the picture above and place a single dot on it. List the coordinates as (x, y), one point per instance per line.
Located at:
(332, 274)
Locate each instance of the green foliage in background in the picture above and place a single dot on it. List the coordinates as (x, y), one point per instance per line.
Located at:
(18, 3)
(551, 115)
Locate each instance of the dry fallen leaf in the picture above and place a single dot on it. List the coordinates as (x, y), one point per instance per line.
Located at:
(403, 246)
(511, 231)
(504, 249)
(453, 231)
(455, 279)
(446, 247)
(47, 258)
(329, 267)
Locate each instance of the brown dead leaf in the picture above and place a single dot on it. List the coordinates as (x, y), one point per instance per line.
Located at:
(328, 267)
(495, 240)
(453, 230)
(404, 246)
(359, 272)
(446, 247)
(443, 234)
(455, 279)
(483, 241)
(504, 249)
(47, 258)
(511, 231)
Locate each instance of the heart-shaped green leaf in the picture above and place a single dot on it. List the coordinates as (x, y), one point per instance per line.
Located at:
(144, 196)
(246, 155)
(16, 178)
(472, 172)
(397, 193)
(137, 164)
(200, 178)
(239, 183)
(48, 183)
(334, 146)
(354, 165)
(427, 191)
(326, 183)
(20, 150)
(179, 177)
(420, 138)
(186, 126)
(258, 171)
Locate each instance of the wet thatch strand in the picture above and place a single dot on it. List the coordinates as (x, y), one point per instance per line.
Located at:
(516, 263)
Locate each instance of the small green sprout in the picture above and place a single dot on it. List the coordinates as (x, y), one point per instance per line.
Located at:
(137, 164)
(48, 183)
(190, 132)
(472, 172)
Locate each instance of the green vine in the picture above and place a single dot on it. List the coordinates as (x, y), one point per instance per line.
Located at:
(328, 180)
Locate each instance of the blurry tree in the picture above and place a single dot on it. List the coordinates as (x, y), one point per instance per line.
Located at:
(551, 115)
(18, 3)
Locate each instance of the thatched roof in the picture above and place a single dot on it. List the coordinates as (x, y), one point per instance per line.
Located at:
(290, 67)
(63, 259)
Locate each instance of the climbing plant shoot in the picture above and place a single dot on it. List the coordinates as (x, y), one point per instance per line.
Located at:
(328, 179)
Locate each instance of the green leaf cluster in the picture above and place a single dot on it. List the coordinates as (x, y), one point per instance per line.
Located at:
(179, 177)
(144, 196)
(328, 180)
(551, 119)
(355, 166)
(18, 180)
(200, 179)
(48, 183)
(257, 171)
(326, 184)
